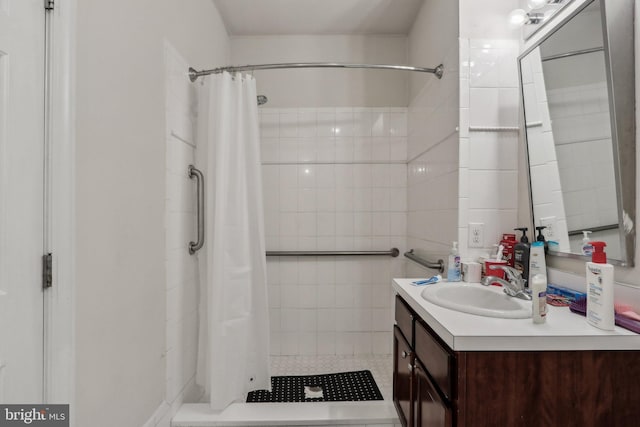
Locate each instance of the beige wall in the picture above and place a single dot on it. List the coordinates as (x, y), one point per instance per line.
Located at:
(326, 87)
(433, 40)
(120, 197)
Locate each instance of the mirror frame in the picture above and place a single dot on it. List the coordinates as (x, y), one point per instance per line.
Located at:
(618, 37)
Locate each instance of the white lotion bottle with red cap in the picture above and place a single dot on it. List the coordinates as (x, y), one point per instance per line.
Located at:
(600, 310)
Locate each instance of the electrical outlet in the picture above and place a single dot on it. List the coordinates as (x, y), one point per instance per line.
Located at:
(476, 235)
(550, 223)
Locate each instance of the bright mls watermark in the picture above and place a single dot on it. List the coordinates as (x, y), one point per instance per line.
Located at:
(34, 415)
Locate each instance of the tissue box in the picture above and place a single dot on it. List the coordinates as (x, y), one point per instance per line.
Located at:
(497, 272)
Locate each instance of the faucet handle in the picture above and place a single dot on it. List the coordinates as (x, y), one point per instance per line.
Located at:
(513, 274)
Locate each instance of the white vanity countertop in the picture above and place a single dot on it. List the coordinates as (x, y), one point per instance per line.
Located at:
(563, 329)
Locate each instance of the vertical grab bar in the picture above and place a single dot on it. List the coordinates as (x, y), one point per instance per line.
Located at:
(195, 173)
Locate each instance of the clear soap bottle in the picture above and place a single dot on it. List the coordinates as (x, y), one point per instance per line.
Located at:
(587, 247)
(453, 270)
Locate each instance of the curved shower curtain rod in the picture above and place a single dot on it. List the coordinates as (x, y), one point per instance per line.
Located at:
(194, 74)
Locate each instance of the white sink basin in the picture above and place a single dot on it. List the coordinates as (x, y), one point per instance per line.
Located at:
(470, 298)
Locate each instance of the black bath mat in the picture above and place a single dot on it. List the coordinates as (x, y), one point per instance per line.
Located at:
(343, 386)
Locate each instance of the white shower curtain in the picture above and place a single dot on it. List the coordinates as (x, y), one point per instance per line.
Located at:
(233, 356)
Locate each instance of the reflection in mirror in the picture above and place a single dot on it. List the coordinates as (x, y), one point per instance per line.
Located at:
(573, 152)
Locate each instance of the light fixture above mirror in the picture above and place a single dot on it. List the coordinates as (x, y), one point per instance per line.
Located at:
(539, 13)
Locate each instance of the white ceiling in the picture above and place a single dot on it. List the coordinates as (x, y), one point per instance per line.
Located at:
(283, 17)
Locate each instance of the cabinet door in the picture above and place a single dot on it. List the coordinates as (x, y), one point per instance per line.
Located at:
(429, 408)
(402, 372)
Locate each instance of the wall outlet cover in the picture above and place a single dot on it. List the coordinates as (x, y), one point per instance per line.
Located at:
(476, 235)
(550, 223)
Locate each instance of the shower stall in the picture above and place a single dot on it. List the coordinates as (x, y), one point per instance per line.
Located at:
(337, 172)
(335, 193)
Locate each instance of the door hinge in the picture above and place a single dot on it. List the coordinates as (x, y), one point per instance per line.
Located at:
(48, 4)
(47, 270)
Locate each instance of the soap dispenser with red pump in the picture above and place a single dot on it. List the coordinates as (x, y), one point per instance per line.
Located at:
(600, 307)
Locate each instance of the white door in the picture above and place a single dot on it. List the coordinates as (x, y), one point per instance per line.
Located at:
(21, 200)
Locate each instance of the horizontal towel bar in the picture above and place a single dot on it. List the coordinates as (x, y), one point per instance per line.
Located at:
(393, 252)
(439, 265)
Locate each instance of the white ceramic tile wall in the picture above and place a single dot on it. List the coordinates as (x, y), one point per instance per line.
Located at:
(546, 188)
(581, 131)
(432, 191)
(486, 18)
(488, 160)
(433, 202)
(181, 268)
(334, 179)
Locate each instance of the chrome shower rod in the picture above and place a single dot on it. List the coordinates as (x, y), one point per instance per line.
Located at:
(194, 74)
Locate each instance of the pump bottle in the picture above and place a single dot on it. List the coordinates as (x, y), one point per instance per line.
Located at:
(540, 238)
(600, 309)
(587, 247)
(453, 271)
(521, 256)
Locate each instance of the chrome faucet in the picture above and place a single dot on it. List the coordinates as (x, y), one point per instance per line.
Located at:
(514, 286)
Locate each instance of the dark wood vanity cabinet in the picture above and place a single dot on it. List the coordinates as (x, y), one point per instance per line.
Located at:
(421, 372)
(435, 386)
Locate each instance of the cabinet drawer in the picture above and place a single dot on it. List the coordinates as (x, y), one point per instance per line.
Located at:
(436, 359)
(404, 319)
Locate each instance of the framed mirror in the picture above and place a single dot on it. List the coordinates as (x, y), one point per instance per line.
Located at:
(578, 91)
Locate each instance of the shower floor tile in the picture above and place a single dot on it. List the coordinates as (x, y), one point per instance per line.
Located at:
(381, 366)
